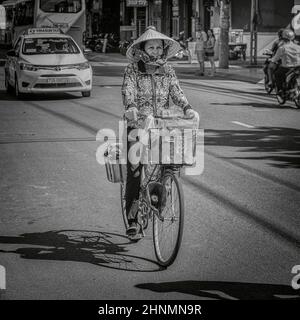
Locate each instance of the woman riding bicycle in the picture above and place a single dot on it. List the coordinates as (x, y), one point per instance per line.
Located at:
(148, 84)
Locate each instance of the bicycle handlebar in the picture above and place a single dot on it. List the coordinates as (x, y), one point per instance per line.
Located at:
(162, 117)
(174, 117)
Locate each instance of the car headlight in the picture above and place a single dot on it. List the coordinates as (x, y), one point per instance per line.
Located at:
(28, 67)
(82, 66)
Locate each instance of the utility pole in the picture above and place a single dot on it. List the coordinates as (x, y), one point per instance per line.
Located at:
(224, 34)
(253, 32)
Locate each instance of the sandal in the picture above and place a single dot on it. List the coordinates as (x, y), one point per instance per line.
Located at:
(133, 231)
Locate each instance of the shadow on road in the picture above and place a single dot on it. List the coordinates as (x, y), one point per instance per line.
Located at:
(279, 145)
(4, 96)
(254, 105)
(104, 249)
(225, 290)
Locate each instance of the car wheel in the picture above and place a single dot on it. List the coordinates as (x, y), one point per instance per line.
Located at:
(86, 93)
(18, 94)
(7, 85)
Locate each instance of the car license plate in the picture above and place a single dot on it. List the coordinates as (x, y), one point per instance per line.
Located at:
(58, 80)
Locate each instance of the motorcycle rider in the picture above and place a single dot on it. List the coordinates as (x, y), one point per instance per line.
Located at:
(289, 55)
(272, 67)
(278, 42)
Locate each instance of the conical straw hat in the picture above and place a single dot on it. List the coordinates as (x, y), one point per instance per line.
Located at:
(152, 34)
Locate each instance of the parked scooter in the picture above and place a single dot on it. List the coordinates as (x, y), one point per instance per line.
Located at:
(95, 43)
(124, 45)
(291, 88)
(269, 55)
(99, 45)
(90, 43)
(111, 42)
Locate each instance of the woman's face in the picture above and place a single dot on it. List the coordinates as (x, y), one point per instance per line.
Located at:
(209, 33)
(154, 48)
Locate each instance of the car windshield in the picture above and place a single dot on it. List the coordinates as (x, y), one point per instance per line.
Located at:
(34, 46)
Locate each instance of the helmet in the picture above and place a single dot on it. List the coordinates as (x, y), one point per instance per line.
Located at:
(288, 34)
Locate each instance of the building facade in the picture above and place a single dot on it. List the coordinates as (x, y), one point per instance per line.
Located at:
(168, 16)
(129, 18)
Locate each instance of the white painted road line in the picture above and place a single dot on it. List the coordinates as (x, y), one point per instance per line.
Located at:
(262, 81)
(243, 124)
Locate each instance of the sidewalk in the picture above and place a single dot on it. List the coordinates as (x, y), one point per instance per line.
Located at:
(238, 70)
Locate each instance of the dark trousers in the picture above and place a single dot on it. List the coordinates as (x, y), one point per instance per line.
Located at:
(280, 75)
(132, 183)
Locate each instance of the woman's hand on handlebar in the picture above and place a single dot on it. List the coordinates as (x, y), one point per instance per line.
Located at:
(131, 114)
(190, 113)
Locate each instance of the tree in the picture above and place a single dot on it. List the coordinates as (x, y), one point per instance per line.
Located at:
(224, 34)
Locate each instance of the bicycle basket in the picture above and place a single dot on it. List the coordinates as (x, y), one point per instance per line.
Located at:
(172, 146)
(115, 170)
(180, 123)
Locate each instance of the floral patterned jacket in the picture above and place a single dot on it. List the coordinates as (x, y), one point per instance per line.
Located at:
(150, 92)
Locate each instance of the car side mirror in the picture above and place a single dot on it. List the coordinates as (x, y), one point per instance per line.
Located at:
(11, 53)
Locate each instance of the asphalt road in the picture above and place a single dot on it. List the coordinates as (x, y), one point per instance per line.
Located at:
(61, 231)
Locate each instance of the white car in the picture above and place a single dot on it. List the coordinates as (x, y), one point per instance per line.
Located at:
(45, 60)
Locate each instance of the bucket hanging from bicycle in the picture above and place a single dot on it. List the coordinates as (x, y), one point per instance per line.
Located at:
(115, 169)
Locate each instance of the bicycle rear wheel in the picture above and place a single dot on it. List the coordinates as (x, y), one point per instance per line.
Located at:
(167, 229)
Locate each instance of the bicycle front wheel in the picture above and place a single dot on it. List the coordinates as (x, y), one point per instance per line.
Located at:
(123, 203)
(167, 229)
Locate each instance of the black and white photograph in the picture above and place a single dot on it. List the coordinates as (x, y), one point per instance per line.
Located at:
(150, 152)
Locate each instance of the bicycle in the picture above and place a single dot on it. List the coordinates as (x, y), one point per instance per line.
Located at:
(168, 217)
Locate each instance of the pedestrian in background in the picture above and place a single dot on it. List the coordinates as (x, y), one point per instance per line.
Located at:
(201, 39)
(210, 50)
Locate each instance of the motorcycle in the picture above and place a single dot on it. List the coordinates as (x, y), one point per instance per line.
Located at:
(291, 88)
(184, 51)
(269, 55)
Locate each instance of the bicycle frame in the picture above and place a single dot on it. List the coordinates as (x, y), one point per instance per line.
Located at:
(145, 208)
